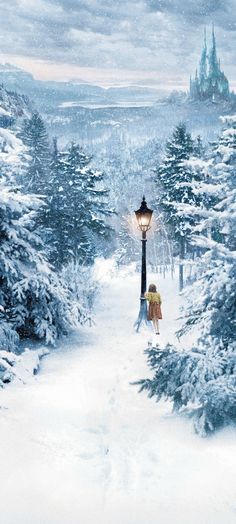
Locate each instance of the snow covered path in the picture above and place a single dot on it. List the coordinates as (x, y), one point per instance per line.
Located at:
(78, 445)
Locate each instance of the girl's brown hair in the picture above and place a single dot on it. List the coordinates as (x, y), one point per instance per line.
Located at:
(152, 288)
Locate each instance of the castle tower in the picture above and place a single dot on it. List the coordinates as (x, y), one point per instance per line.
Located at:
(213, 61)
(203, 61)
(211, 83)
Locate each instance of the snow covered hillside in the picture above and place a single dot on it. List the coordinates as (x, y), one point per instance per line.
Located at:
(13, 104)
(13, 108)
(78, 444)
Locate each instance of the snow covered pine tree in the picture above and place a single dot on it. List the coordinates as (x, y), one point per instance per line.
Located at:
(34, 177)
(204, 377)
(78, 207)
(173, 179)
(34, 302)
(34, 136)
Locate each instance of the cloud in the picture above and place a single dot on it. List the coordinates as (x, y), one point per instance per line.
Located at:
(148, 35)
(199, 11)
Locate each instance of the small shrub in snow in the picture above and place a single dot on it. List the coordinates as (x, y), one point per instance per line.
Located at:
(203, 380)
(82, 286)
(9, 339)
(20, 367)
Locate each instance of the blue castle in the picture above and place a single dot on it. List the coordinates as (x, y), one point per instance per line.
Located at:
(210, 83)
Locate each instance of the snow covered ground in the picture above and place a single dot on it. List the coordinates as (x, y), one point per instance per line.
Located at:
(79, 445)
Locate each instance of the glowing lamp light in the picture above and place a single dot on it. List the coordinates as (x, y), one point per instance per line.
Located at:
(144, 216)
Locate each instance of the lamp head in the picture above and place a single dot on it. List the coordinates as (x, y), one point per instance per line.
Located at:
(144, 216)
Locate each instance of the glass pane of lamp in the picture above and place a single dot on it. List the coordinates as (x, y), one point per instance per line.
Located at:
(144, 215)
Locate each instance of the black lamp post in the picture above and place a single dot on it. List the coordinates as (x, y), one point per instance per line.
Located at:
(144, 216)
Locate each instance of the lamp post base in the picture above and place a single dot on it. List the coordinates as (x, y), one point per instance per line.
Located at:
(142, 317)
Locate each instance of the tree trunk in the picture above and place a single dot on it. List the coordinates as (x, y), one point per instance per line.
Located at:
(181, 266)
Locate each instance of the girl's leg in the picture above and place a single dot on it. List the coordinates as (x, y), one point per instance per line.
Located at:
(155, 324)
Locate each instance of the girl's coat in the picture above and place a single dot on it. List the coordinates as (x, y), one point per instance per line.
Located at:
(154, 310)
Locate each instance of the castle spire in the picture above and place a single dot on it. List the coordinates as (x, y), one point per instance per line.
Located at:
(213, 61)
(213, 35)
(203, 62)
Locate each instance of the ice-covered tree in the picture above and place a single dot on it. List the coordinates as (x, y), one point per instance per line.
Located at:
(203, 377)
(128, 248)
(82, 286)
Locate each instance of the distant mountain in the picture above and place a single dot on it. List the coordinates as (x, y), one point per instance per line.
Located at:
(94, 116)
(134, 91)
(49, 94)
(12, 74)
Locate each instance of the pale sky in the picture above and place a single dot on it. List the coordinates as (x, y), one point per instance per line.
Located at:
(152, 42)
